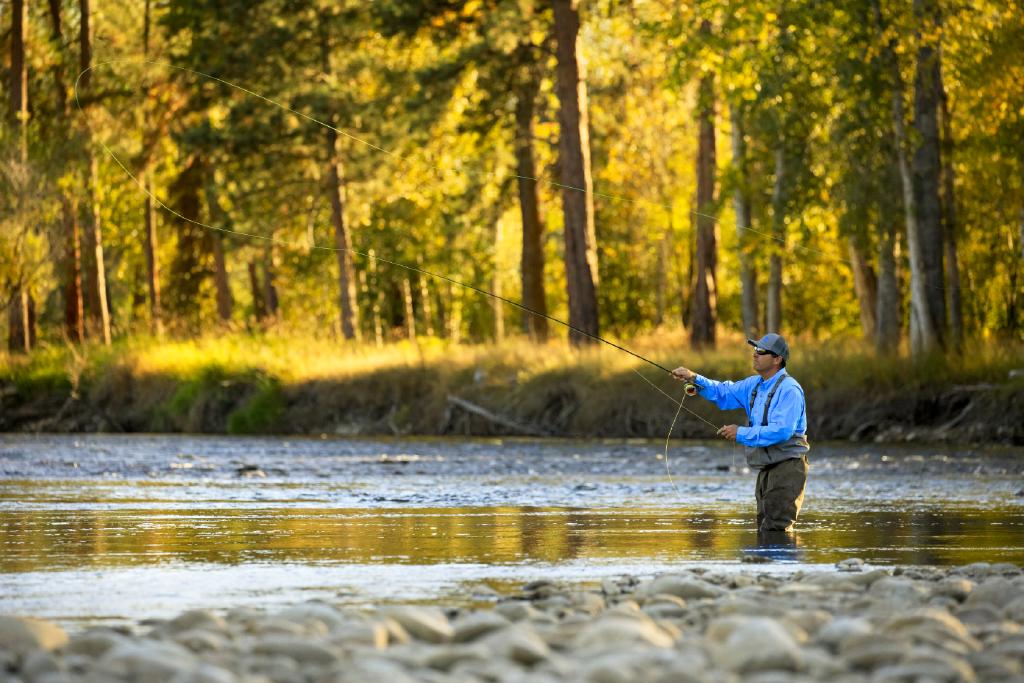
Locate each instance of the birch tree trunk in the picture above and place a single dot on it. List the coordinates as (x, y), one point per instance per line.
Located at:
(335, 189)
(102, 313)
(924, 334)
(574, 163)
(742, 209)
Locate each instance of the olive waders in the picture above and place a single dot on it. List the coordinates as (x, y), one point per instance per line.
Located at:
(782, 473)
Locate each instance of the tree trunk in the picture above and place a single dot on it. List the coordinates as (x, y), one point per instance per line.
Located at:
(454, 314)
(924, 335)
(225, 302)
(409, 311)
(705, 293)
(887, 314)
(336, 191)
(18, 336)
(496, 303)
(259, 305)
(742, 208)
(954, 306)
(84, 44)
(532, 262)
(927, 177)
(664, 255)
(428, 310)
(375, 298)
(191, 264)
(342, 242)
(19, 74)
(74, 306)
(20, 330)
(779, 204)
(269, 281)
(574, 165)
(156, 324)
(866, 286)
(101, 314)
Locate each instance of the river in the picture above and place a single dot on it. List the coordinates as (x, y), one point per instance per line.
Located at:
(122, 528)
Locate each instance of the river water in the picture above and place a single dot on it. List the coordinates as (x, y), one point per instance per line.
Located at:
(118, 529)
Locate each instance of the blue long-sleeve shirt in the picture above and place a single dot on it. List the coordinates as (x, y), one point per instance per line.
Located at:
(786, 416)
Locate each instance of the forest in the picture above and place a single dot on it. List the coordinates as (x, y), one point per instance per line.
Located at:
(369, 173)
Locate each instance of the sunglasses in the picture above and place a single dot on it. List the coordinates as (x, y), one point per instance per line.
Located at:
(764, 352)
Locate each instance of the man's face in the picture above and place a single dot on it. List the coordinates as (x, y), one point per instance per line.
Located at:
(763, 362)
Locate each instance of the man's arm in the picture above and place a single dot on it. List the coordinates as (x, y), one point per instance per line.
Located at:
(786, 409)
(726, 395)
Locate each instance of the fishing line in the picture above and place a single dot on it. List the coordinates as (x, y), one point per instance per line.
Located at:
(688, 388)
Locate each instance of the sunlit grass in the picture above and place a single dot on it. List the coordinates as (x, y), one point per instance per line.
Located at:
(300, 359)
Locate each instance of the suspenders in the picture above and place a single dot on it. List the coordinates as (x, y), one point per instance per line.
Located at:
(767, 404)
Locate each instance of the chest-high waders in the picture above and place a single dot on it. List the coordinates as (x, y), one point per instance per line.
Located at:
(759, 457)
(782, 476)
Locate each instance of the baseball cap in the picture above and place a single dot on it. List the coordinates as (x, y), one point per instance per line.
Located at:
(772, 342)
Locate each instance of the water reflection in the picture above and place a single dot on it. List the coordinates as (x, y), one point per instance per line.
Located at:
(48, 539)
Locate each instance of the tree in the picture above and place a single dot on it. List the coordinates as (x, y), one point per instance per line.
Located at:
(577, 186)
(705, 293)
(929, 315)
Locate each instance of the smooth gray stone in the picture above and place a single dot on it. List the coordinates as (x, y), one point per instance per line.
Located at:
(200, 640)
(149, 660)
(994, 592)
(517, 610)
(299, 649)
(894, 590)
(425, 623)
(872, 650)
(754, 644)
(95, 642)
(685, 587)
(476, 624)
(518, 643)
(22, 635)
(361, 633)
(196, 619)
(206, 673)
(314, 612)
(842, 628)
(622, 631)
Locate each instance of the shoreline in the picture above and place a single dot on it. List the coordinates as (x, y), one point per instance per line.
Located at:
(847, 622)
(239, 384)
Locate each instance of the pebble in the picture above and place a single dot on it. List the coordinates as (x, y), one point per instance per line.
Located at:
(847, 625)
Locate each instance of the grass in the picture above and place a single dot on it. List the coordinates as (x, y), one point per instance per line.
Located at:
(246, 384)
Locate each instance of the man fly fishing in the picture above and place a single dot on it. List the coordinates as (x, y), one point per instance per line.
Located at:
(776, 433)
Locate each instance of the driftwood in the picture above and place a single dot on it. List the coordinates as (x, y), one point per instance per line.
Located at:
(496, 419)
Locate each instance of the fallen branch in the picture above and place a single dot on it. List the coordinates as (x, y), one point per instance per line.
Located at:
(496, 419)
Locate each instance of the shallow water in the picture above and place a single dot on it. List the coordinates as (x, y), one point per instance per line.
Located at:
(159, 524)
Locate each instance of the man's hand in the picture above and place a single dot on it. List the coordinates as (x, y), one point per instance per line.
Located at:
(683, 374)
(728, 432)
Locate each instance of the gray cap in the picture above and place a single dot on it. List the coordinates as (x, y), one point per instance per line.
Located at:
(774, 343)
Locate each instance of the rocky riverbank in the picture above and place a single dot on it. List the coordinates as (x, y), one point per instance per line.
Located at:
(845, 624)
